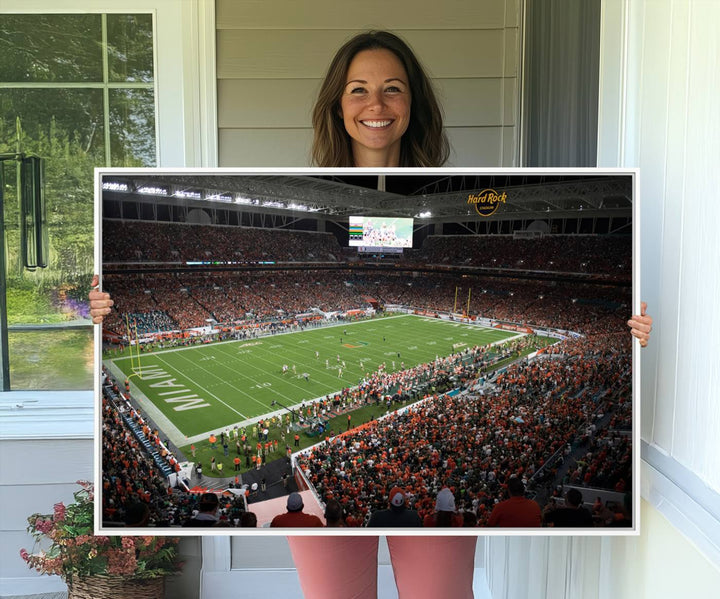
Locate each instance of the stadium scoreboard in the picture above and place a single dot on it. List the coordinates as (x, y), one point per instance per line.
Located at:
(374, 234)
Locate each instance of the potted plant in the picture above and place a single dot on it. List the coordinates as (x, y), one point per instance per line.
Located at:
(98, 566)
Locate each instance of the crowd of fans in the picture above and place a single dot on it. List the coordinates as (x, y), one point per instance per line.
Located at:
(129, 475)
(194, 300)
(134, 241)
(471, 443)
(131, 478)
(607, 463)
(248, 292)
(556, 253)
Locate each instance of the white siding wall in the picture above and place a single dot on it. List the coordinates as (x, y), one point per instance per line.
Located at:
(271, 57)
(668, 124)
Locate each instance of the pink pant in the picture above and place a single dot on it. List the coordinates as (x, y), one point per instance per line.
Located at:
(346, 567)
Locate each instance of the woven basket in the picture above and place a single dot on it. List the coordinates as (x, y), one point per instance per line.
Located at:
(116, 587)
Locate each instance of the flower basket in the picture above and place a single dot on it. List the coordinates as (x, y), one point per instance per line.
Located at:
(95, 567)
(116, 587)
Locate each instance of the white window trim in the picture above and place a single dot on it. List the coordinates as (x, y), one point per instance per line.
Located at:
(185, 76)
(46, 415)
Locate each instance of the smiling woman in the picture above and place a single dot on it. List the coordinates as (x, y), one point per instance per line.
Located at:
(377, 108)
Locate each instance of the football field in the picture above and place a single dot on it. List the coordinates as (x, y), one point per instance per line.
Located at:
(209, 387)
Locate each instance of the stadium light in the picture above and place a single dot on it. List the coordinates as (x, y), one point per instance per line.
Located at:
(155, 191)
(113, 186)
(193, 195)
(219, 197)
(426, 214)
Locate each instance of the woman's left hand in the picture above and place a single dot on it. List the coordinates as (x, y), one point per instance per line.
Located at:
(640, 326)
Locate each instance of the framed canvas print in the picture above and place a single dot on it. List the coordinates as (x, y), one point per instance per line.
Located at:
(400, 351)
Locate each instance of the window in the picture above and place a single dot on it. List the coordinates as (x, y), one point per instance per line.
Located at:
(77, 90)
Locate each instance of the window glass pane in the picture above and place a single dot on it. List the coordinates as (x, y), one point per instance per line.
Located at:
(54, 121)
(38, 48)
(132, 127)
(130, 48)
(51, 359)
(65, 127)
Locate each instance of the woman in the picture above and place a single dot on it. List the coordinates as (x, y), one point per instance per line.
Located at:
(376, 108)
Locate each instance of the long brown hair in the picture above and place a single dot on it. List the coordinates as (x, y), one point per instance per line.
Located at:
(423, 144)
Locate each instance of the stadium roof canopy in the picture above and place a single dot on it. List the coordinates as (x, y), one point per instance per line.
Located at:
(438, 197)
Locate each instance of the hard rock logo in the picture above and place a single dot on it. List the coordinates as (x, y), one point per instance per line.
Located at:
(487, 201)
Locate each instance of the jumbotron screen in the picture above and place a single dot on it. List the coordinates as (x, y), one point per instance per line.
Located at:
(380, 232)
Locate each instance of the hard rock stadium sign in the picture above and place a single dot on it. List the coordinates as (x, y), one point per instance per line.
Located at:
(487, 201)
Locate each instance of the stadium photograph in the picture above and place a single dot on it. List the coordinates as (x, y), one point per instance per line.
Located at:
(378, 350)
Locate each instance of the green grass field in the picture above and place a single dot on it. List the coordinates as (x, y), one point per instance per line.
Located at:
(209, 387)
